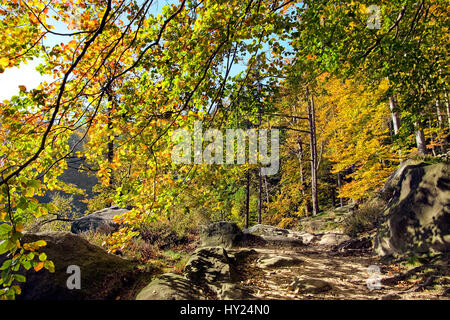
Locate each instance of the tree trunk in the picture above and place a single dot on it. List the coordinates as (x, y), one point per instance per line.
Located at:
(420, 140)
(339, 183)
(439, 114)
(260, 180)
(110, 154)
(302, 176)
(447, 107)
(313, 144)
(247, 201)
(333, 197)
(394, 112)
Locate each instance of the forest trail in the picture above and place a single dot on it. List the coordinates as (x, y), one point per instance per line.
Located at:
(328, 275)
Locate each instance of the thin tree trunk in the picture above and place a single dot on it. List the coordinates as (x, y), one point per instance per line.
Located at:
(439, 114)
(313, 143)
(266, 185)
(441, 124)
(110, 154)
(433, 137)
(302, 176)
(394, 112)
(339, 183)
(420, 140)
(259, 180)
(333, 197)
(247, 200)
(447, 107)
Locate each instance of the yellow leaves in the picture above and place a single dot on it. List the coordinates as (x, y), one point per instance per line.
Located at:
(41, 212)
(30, 192)
(33, 246)
(4, 62)
(363, 8)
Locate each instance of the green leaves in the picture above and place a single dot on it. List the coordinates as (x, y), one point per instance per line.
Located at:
(5, 228)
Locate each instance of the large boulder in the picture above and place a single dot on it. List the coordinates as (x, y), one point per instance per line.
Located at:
(391, 187)
(99, 221)
(223, 234)
(170, 286)
(208, 266)
(210, 270)
(417, 219)
(103, 275)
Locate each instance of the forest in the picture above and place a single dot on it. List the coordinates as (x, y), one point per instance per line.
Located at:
(141, 103)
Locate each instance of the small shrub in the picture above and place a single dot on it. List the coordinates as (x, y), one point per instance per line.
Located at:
(363, 219)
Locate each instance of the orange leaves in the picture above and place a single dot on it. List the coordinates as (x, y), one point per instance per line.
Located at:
(39, 266)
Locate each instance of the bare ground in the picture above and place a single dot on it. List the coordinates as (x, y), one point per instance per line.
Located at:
(346, 273)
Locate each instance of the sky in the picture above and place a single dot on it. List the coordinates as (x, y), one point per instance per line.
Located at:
(24, 75)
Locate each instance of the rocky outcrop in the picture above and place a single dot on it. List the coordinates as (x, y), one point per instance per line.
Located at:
(333, 239)
(170, 286)
(417, 219)
(359, 245)
(280, 237)
(102, 275)
(99, 221)
(277, 261)
(209, 265)
(223, 234)
(209, 271)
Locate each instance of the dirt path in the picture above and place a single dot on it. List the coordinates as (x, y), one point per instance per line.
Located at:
(346, 276)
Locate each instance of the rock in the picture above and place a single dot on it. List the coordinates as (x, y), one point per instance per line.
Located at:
(208, 265)
(233, 291)
(283, 242)
(417, 219)
(391, 186)
(169, 286)
(354, 244)
(307, 285)
(223, 234)
(272, 261)
(280, 237)
(209, 269)
(103, 276)
(333, 239)
(266, 231)
(100, 221)
(391, 296)
(242, 254)
(307, 238)
(345, 209)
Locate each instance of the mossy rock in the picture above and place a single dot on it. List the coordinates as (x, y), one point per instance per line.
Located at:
(103, 275)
